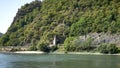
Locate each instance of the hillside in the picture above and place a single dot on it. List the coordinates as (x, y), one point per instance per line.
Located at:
(1, 34)
(39, 22)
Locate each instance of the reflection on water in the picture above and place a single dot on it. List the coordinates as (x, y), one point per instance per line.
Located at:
(58, 61)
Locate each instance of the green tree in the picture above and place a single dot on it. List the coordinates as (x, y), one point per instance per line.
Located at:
(108, 48)
(78, 28)
(4, 39)
(68, 44)
(43, 47)
(32, 48)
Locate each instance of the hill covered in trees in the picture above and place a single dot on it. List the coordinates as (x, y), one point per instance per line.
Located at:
(1, 34)
(38, 22)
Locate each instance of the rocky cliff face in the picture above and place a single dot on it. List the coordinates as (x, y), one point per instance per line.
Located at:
(101, 38)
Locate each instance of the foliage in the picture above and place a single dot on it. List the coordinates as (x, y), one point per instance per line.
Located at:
(78, 44)
(78, 28)
(83, 45)
(1, 34)
(43, 47)
(53, 48)
(61, 29)
(108, 48)
(68, 44)
(32, 48)
(40, 21)
(4, 39)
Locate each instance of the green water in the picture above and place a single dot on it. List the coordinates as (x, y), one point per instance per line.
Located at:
(58, 61)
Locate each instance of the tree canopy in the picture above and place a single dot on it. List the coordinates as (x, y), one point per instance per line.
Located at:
(40, 21)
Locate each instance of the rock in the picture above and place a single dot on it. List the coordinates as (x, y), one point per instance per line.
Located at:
(99, 38)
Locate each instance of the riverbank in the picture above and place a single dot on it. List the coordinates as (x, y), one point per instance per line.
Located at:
(83, 53)
(29, 52)
(40, 52)
(24, 52)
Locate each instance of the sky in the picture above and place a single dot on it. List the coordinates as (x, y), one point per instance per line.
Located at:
(8, 10)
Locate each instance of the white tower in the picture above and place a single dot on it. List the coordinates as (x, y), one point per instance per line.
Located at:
(54, 41)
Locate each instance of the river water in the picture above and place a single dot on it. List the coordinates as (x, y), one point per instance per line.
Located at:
(58, 61)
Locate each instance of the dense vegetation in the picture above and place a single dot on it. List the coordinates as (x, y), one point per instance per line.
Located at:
(76, 44)
(39, 22)
(1, 34)
(108, 48)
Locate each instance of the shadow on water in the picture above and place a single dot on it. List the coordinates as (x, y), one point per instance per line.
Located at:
(58, 61)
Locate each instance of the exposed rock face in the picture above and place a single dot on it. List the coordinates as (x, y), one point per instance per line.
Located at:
(99, 38)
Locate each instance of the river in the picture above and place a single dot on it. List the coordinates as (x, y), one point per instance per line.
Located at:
(58, 61)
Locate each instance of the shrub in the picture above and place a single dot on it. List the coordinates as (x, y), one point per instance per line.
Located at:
(43, 47)
(32, 48)
(68, 44)
(112, 49)
(53, 48)
(108, 48)
(103, 48)
(83, 45)
(86, 45)
(78, 44)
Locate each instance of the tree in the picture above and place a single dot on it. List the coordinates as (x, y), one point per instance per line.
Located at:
(61, 29)
(68, 44)
(66, 18)
(32, 48)
(4, 39)
(108, 48)
(78, 28)
(43, 47)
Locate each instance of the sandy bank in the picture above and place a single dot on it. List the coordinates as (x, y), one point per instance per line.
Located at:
(40, 52)
(29, 52)
(97, 53)
(83, 53)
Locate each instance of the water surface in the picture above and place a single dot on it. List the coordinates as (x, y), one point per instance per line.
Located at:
(58, 61)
